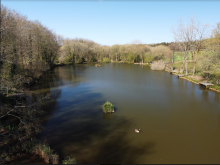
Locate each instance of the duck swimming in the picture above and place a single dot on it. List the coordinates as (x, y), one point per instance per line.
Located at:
(137, 130)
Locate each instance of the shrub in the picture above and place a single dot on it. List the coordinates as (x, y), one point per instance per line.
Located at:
(69, 160)
(93, 59)
(158, 65)
(215, 78)
(148, 57)
(44, 151)
(130, 57)
(105, 59)
(108, 107)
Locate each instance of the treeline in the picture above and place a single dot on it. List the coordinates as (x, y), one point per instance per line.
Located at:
(81, 50)
(162, 43)
(27, 48)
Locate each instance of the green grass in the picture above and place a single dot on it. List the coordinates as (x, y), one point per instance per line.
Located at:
(178, 65)
(179, 56)
(217, 87)
(192, 79)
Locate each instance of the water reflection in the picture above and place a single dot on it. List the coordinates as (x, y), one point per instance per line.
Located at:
(217, 97)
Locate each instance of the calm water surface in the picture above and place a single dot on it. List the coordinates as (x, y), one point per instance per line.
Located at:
(179, 120)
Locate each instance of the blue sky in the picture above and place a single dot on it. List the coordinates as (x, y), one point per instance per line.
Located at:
(116, 22)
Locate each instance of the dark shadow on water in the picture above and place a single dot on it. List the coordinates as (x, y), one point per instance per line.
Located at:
(76, 124)
(82, 129)
(118, 150)
(107, 116)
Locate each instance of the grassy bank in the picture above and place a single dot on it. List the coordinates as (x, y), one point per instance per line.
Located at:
(37, 152)
(47, 154)
(196, 81)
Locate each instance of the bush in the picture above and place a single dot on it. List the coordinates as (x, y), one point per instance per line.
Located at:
(108, 107)
(105, 59)
(148, 58)
(44, 151)
(130, 57)
(69, 160)
(215, 78)
(93, 59)
(158, 65)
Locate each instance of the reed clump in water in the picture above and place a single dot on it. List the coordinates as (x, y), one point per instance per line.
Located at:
(97, 65)
(108, 107)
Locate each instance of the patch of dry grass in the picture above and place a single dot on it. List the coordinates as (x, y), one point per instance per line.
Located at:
(45, 152)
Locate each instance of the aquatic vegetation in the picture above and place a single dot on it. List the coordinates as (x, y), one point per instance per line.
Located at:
(108, 107)
(44, 151)
(49, 156)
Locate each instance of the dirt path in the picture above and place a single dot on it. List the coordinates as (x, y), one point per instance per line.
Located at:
(198, 78)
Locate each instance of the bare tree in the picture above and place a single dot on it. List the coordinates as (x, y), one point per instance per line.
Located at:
(189, 38)
(160, 52)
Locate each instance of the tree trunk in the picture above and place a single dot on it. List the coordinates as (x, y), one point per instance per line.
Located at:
(194, 68)
(172, 61)
(186, 63)
(73, 59)
(116, 57)
(194, 64)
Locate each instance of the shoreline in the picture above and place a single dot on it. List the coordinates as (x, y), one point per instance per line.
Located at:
(40, 158)
(24, 156)
(191, 80)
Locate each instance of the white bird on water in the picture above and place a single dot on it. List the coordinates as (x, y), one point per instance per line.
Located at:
(137, 130)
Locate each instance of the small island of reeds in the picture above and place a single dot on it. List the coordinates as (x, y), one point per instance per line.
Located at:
(108, 107)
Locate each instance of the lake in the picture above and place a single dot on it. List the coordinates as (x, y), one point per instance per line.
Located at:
(179, 120)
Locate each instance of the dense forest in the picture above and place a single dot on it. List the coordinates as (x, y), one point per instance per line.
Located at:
(78, 50)
(28, 49)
